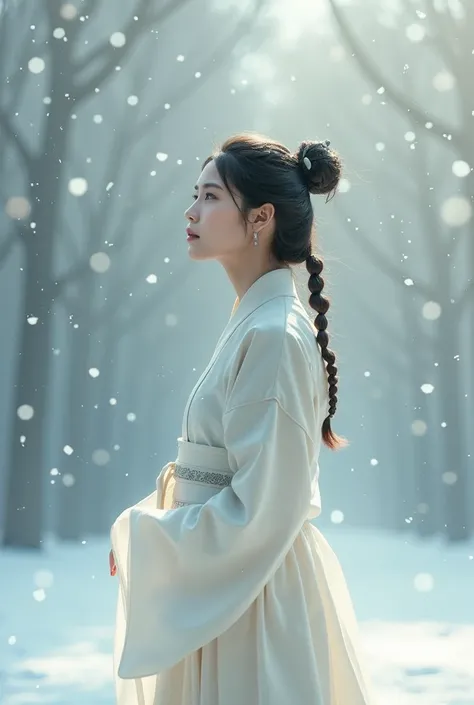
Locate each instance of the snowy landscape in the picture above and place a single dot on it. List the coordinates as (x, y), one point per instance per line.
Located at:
(413, 599)
(107, 112)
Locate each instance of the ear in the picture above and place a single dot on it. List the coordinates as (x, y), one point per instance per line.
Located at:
(261, 217)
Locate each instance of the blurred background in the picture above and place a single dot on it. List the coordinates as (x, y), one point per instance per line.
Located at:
(107, 112)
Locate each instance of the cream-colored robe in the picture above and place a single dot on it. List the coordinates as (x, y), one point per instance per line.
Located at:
(228, 594)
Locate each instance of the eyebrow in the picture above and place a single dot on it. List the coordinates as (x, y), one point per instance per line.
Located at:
(209, 184)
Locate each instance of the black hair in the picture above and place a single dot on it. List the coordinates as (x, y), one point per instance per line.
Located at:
(263, 170)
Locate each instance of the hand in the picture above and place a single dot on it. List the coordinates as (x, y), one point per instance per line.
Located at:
(112, 564)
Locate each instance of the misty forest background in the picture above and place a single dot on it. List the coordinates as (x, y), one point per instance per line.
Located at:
(107, 111)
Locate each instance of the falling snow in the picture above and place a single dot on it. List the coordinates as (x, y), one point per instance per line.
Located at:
(78, 186)
(112, 287)
(117, 39)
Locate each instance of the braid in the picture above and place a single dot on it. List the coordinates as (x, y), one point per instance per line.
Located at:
(314, 265)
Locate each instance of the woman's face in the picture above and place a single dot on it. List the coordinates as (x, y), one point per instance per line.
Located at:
(215, 218)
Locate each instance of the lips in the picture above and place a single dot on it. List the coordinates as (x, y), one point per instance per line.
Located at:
(190, 233)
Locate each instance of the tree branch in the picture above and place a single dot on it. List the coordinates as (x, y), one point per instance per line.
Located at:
(216, 60)
(77, 270)
(15, 32)
(137, 204)
(74, 27)
(147, 306)
(467, 295)
(15, 138)
(6, 247)
(132, 31)
(386, 266)
(99, 214)
(444, 39)
(116, 298)
(125, 133)
(394, 343)
(408, 108)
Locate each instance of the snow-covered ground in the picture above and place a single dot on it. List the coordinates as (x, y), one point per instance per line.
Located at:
(414, 601)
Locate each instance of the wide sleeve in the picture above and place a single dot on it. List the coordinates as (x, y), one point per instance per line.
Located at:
(193, 571)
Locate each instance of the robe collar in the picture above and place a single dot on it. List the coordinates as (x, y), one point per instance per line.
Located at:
(278, 282)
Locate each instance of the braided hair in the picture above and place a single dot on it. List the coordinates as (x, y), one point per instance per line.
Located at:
(263, 170)
(314, 265)
(322, 168)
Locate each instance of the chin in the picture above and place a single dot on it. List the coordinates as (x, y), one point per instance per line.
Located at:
(194, 253)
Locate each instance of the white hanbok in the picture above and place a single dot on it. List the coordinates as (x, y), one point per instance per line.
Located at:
(228, 594)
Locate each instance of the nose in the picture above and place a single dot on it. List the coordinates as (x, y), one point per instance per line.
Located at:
(190, 214)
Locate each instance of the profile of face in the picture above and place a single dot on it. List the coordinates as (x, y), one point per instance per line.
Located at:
(216, 219)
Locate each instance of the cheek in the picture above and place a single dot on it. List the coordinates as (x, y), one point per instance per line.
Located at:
(227, 220)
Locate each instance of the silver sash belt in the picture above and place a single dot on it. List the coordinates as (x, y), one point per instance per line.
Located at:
(198, 473)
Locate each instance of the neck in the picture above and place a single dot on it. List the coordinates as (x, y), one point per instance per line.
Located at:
(243, 275)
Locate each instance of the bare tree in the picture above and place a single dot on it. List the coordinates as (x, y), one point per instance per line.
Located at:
(43, 166)
(443, 25)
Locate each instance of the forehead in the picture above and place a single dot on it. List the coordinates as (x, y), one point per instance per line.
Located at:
(210, 173)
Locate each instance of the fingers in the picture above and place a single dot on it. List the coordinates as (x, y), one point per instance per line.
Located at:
(112, 564)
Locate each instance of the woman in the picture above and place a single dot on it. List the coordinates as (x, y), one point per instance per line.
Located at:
(228, 594)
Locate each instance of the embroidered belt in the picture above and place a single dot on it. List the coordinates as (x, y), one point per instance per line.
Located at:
(208, 477)
(195, 485)
(198, 473)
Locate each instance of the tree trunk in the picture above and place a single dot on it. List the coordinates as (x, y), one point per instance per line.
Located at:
(420, 478)
(101, 514)
(423, 509)
(401, 468)
(455, 452)
(128, 478)
(25, 470)
(25, 478)
(72, 519)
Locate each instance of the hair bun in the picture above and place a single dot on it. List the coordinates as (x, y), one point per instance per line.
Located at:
(320, 165)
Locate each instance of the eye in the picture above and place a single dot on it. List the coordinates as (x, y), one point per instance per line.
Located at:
(206, 195)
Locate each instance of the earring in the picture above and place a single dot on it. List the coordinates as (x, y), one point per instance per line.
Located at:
(255, 239)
